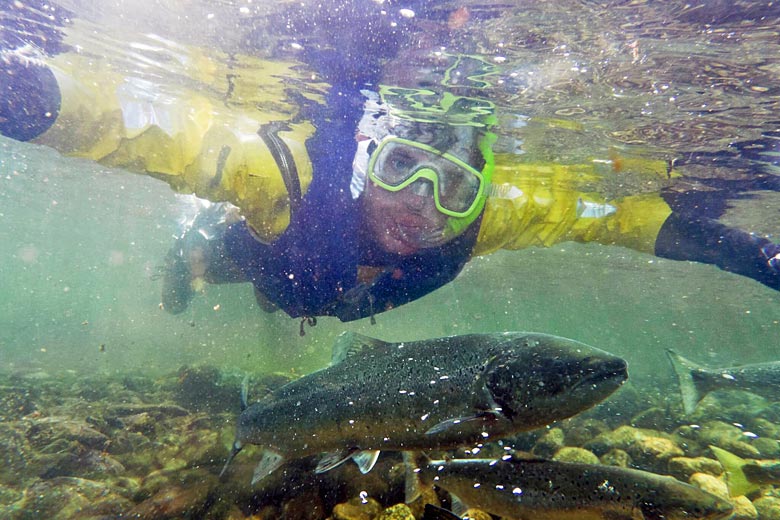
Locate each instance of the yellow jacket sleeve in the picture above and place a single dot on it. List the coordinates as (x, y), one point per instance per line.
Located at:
(200, 135)
(543, 204)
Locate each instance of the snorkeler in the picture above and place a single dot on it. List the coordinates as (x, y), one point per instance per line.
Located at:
(421, 205)
(383, 204)
(396, 218)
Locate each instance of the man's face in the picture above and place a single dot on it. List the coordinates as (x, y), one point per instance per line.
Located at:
(405, 221)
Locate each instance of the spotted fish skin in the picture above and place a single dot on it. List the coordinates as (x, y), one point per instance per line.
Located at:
(517, 488)
(421, 395)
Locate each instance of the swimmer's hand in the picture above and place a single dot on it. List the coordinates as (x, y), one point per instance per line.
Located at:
(772, 254)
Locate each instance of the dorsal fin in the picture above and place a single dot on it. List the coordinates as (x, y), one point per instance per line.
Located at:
(350, 343)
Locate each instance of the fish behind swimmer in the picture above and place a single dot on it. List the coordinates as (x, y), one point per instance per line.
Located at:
(696, 381)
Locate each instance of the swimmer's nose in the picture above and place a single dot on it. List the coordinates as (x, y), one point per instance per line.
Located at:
(422, 188)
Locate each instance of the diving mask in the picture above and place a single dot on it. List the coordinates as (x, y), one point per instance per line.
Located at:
(457, 186)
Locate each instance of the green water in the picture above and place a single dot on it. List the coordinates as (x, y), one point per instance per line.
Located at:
(81, 246)
(90, 362)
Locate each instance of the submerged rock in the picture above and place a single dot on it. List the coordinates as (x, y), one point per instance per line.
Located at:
(84, 463)
(710, 484)
(768, 448)
(768, 507)
(17, 402)
(572, 454)
(765, 428)
(16, 453)
(580, 431)
(173, 502)
(306, 506)
(202, 389)
(733, 406)
(683, 467)
(46, 431)
(9, 495)
(68, 498)
(727, 436)
(616, 457)
(357, 509)
(743, 509)
(396, 512)
(653, 453)
(549, 443)
(621, 438)
(159, 411)
(477, 514)
(653, 418)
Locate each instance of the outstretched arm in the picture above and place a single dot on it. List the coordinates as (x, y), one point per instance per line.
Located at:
(698, 239)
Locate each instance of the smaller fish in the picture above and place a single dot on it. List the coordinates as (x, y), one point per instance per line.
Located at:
(747, 475)
(517, 488)
(696, 381)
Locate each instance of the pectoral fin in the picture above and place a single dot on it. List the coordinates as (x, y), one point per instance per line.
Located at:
(333, 459)
(270, 461)
(365, 460)
(455, 421)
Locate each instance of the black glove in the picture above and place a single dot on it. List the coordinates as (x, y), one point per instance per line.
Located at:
(772, 254)
(697, 239)
(29, 97)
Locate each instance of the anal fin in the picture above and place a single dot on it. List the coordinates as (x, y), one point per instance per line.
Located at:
(365, 460)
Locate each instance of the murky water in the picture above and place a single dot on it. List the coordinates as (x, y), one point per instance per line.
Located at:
(692, 86)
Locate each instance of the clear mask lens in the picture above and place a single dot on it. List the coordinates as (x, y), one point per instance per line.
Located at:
(397, 163)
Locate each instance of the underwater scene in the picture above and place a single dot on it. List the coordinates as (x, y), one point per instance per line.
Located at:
(389, 259)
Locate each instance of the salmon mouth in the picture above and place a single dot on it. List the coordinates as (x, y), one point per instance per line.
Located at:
(612, 371)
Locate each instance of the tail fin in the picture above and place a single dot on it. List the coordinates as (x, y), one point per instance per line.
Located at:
(683, 368)
(735, 477)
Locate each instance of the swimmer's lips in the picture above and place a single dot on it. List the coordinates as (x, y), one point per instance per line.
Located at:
(416, 233)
